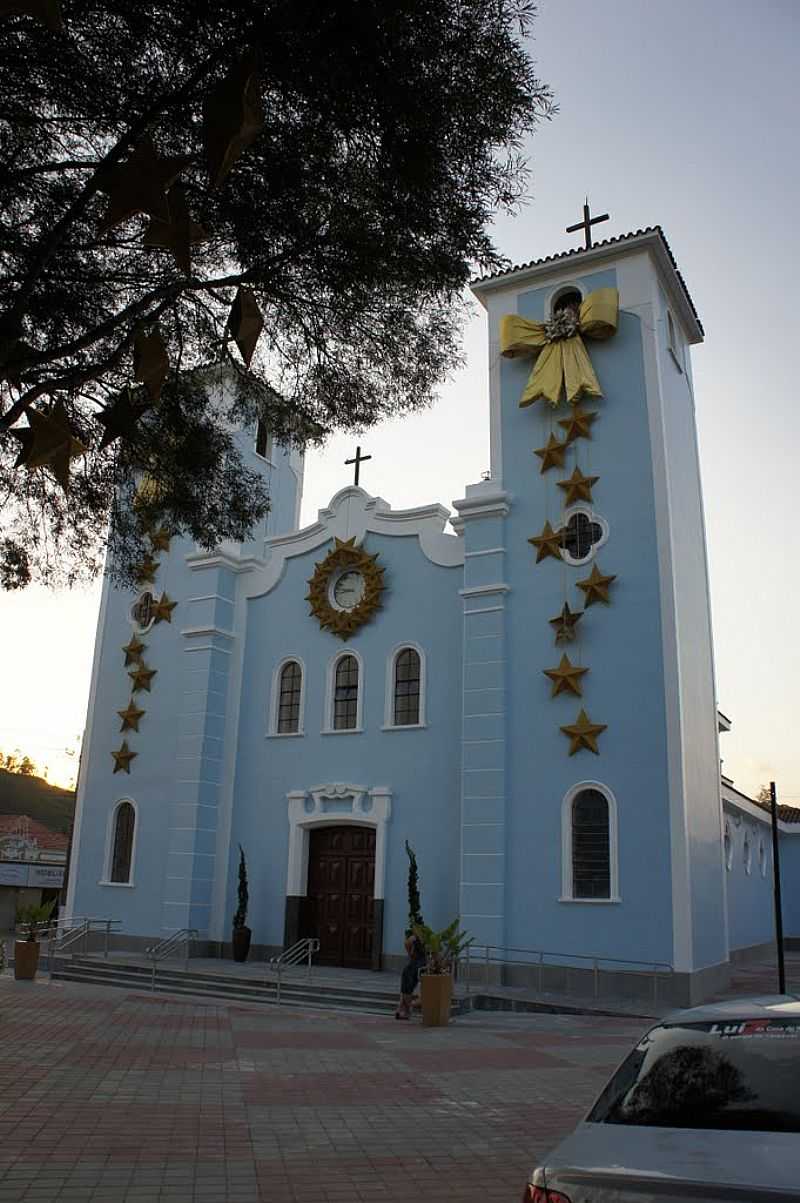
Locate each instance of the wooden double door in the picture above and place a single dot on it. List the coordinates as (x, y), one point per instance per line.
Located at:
(340, 907)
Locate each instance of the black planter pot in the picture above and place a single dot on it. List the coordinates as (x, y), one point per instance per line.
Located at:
(241, 943)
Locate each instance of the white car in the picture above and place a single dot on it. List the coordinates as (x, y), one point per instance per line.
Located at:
(705, 1108)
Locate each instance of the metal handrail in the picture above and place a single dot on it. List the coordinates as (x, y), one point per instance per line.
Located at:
(302, 951)
(67, 932)
(535, 958)
(157, 952)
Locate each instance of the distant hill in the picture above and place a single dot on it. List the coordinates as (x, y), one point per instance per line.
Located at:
(34, 797)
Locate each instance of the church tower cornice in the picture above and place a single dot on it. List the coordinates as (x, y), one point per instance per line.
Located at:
(580, 260)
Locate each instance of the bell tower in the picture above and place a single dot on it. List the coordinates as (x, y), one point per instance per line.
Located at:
(161, 723)
(590, 793)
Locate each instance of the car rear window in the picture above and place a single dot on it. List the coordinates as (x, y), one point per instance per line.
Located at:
(735, 1075)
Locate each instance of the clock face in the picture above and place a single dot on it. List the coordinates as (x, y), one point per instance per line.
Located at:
(348, 590)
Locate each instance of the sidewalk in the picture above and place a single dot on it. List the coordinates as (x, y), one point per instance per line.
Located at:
(125, 1097)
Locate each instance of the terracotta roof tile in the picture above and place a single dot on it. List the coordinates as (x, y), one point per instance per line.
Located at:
(44, 837)
(580, 250)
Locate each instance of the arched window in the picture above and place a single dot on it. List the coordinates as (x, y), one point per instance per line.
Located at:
(345, 694)
(290, 689)
(566, 298)
(728, 847)
(762, 858)
(747, 853)
(590, 860)
(591, 863)
(122, 843)
(407, 682)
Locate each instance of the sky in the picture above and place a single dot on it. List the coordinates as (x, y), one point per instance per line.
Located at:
(681, 115)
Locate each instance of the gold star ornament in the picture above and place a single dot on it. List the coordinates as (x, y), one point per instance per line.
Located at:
(49, 443)
(162, 609)
(150, 361)
(160, 539)
(46, 11)
(577, 487)
(552, 454)
(595, 587)
(146, 571)
(578, 424)
(130, 717)
(564, 624)
(548, 543)
(133, 651)
(139, 185)
(583, 734)
(120, 419)
(123, 757)
(233, 117)
(245, 323)
(566, 678)
(179, 234)
(141, 678)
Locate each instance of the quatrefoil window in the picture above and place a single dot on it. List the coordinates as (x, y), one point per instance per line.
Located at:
(582, 532)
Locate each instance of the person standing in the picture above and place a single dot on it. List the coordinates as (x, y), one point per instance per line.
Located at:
(409, 978)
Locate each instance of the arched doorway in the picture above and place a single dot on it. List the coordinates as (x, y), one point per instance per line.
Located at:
(339, 908)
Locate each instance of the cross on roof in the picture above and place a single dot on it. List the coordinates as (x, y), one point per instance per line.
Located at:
(586, 224)
(358, 460)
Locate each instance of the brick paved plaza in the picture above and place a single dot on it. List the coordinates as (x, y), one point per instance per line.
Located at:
(110, 1095)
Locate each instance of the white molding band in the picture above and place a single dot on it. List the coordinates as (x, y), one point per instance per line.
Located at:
(335, 805)
(353, 513)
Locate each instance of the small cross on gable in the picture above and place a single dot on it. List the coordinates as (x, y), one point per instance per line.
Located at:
(358, 460)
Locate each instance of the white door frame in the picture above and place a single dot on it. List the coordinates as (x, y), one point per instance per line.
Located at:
(335, 805)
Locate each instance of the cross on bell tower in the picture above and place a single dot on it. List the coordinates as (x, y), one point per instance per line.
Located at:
(587, 223)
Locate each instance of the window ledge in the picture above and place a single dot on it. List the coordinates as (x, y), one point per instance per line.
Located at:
(342, 731)
(403, 726)
(592, 901)
(125, 885)
(283, 734)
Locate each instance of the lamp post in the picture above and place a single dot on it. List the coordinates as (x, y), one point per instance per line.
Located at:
(776, 876)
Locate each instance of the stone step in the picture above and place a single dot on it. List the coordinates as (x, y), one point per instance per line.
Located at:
(298, 993)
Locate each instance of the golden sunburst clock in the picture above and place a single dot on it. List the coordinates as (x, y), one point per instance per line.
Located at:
(346, 589)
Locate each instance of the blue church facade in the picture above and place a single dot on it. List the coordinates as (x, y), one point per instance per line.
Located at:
(323, 695)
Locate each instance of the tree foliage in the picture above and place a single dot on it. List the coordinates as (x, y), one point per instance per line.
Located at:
(391, 134)
(243, 894)
(414, 904)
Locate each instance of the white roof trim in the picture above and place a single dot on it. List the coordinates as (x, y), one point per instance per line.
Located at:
(352, 513)
(577, 265)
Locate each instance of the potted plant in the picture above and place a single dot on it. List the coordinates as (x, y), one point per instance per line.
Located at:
(442, 949)
(26, 950)
(241, 932)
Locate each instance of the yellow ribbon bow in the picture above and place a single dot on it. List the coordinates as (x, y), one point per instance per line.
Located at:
(564, 363)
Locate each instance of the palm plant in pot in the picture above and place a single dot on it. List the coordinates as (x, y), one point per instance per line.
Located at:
(442, 949)
(241, 932)
(26, 949)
